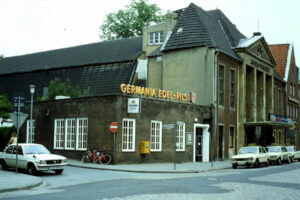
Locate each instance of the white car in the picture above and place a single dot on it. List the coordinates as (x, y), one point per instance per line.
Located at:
(251, 155)
(295, 153)
(279, 154)
(32, 157)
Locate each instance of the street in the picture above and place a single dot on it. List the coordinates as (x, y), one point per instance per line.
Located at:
(274, 182)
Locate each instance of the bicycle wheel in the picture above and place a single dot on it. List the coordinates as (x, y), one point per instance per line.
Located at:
(105, 160)
(85, 158)
(97, 160)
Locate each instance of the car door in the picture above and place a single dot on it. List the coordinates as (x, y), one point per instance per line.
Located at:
(263, 155)
(8, 156)
(22, 162)
(284, 153)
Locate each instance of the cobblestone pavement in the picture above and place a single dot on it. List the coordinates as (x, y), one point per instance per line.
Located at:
(238, 191)
(267, 183)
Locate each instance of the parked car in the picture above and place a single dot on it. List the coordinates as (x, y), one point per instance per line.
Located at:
(32, 157)
(250, 156)
(279, 154)
(295, 153)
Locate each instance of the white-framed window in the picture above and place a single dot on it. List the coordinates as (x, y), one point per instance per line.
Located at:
(82, 133)
(156, 136)
(71, 133)
(180, 137)
(59, 133)
(128, 135)
(28, 132)
(156, 38)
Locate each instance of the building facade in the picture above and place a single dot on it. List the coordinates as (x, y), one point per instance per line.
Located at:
(288, 71)
(195, 71)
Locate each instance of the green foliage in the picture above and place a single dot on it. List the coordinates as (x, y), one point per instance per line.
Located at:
(57, 87)
(5, 133)
(1, 56)
(131, 21)
(5, 106)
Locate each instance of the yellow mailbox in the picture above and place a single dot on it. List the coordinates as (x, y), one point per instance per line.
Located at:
(145, 147)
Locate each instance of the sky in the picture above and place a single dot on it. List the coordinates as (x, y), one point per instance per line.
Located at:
(28, 26)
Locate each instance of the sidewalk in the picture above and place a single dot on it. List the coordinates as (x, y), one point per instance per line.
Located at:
(157, 167)
(10, 180)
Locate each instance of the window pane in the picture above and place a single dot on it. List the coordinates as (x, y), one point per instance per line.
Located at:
(128, 135)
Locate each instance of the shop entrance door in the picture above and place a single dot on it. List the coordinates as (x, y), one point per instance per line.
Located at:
(199, 141)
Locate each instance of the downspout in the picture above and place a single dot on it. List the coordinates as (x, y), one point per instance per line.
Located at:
(217, 52)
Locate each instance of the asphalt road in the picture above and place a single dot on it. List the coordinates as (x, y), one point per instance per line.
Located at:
(274, 182)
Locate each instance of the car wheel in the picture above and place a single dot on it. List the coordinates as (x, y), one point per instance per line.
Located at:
(248, 165)
(31, 169)
(3, 165)
(279, 161)
(234, 166)
(257, 164)
(59, 171)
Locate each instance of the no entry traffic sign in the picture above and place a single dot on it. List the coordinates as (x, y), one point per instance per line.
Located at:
(113, 127)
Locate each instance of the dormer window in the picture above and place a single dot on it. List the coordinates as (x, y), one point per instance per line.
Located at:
(156, 38)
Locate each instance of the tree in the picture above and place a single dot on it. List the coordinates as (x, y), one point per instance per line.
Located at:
(5, 106)
(57, 87)
(131, 21)
(1, 56)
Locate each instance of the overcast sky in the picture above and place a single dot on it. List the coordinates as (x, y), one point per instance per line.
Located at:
(28, 26)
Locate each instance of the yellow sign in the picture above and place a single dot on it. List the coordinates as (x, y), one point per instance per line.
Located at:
(150, 92)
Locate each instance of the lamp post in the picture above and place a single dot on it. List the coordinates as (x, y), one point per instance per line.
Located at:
(31, 89)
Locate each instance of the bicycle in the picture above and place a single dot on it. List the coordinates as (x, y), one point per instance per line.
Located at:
(97, 157)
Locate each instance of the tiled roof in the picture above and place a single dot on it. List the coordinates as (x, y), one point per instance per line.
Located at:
(114, 51)
(280, 53)
(196, 27)
(97, 79)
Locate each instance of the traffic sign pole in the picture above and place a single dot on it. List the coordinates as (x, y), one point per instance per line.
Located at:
(18, 118)
(113, 127)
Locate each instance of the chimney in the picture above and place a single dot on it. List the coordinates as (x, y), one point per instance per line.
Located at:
(256, 34)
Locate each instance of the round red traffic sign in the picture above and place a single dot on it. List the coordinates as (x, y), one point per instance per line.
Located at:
(113, 127)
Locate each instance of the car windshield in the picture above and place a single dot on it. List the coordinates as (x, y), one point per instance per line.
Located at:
(274, 149)
(290, 148)
(35, 149)
(245, 150)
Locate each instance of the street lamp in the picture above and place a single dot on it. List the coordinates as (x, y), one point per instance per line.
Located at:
(31, 89)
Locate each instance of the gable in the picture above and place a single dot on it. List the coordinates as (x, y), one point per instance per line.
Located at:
(262, 51)
(257, 47)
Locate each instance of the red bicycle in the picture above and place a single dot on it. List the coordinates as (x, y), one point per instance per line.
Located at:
(96, 156)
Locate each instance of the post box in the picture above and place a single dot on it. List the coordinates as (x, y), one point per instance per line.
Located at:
(145, 147)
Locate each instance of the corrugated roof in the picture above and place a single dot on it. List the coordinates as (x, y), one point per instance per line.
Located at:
(114, 51)
(196, 27)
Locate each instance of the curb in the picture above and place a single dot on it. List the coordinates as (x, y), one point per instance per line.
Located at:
(23, 187)
(147, 171)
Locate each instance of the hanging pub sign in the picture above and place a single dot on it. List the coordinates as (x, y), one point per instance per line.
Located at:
(157, 93)
(133, 105)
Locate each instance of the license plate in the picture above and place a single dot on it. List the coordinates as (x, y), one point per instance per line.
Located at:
(51, 168)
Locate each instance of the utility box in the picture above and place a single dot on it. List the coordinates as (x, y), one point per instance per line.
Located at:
(145, 147)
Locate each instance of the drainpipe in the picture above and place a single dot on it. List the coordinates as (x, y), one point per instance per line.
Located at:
(215, 104)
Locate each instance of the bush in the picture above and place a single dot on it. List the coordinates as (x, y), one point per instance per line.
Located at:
(5, 133)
